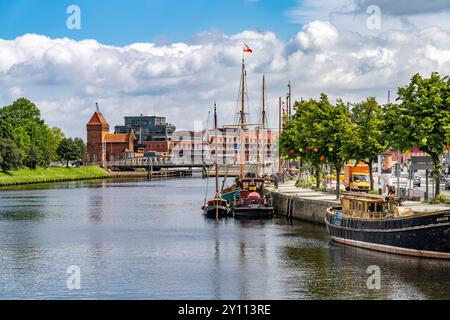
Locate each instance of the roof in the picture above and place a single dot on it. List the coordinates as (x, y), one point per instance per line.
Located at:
(98, 119)
(117, 138)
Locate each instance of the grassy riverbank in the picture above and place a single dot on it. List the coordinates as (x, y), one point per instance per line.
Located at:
(40, 175)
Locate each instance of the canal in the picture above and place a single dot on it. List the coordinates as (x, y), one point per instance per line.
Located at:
(148, 240)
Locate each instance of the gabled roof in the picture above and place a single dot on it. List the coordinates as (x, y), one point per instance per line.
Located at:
(98, 119)
(117, 138)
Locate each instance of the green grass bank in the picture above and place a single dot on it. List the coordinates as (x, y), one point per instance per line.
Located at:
(41, 175)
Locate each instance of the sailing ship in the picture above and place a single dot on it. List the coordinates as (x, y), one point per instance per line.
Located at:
(382, 224)
(248, 197)
(216, 208)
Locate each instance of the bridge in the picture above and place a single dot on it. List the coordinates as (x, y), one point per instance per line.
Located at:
(152, 164)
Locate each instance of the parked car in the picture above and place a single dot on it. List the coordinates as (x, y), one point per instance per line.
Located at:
(447, 185)
(417, 182)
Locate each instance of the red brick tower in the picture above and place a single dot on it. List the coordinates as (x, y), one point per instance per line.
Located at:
(97, 129)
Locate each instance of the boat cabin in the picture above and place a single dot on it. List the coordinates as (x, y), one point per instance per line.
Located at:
(252, 191)
(372, 207)
(252, 185)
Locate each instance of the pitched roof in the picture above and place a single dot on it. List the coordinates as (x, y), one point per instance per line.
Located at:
(117, 138)
(98, 119)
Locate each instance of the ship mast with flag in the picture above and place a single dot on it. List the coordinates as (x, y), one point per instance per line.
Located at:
(243, 125)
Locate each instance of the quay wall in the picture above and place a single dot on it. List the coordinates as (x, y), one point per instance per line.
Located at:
(304, 209)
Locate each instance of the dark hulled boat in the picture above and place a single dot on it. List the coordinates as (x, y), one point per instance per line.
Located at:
(253, 201)
(217, 209)
(382, 224)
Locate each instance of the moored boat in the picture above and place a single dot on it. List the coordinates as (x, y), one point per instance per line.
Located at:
(382, 224)
(253, 201)
(217, 209)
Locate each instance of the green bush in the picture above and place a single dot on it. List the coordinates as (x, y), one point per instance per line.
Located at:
(440, 199)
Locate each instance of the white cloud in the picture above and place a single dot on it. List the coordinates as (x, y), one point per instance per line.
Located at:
(181, 80)
(317, 34)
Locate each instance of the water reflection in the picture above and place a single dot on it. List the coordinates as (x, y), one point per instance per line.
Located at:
(139, 239)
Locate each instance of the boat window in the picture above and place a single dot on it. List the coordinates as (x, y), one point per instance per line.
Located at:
(360, 207)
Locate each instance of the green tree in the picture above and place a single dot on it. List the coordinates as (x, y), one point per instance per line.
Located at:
(364, 138)
(82, 147)
(10, 155)
(421, 117)
(55, 137)
(39, 152)
(6, 129)
(21, 122)
(20, 112)
(69, 150)
(315, 135)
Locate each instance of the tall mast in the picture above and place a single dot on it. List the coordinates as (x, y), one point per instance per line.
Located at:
(216, 142)
(243, 93)
(289, 100)
(264, 119)
(280, 128)
(242, 173)
(264, 125)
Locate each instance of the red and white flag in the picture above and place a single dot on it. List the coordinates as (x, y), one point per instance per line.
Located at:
(247, 49)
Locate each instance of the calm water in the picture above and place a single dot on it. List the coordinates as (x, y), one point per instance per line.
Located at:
(148, 240)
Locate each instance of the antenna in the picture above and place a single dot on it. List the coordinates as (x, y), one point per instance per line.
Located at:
(389, 96)
(97, 107)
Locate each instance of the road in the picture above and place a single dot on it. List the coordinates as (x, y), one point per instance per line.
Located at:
(417, 190)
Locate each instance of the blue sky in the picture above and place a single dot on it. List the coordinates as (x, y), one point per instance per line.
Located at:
(121, 22)
(332, 49)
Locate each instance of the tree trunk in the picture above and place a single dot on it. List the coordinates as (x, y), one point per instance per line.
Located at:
(318, 175)
(372, 184)
(338, 181)
(437, 176)
(67, 164)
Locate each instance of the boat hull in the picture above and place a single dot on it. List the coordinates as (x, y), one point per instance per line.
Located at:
(212, 212)
(420, 236)
(253, 212)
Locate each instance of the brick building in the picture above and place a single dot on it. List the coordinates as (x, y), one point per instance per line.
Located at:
(104, 146)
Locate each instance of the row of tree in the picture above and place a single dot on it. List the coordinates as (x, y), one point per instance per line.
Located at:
(321, 132)
(25, 139)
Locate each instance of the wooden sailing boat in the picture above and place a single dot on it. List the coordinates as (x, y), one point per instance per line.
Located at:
(216, 208)
(249, 198)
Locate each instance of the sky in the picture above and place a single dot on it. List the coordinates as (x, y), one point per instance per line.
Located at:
(175, 58)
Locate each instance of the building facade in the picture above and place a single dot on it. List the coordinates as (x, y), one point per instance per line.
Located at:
(104, 146)
(152, 134)
(200, 147)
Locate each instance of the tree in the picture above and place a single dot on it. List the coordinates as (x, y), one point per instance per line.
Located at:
(334, 136)
(315, 134)
(364, 139)
(6, 129)
(55, 137)
(22, 123)
(10, 155)
(20, 112)
(69, 150)
(82, 147)
(421, 117)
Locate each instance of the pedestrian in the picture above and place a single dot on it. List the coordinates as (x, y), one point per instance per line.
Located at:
(386, 173)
